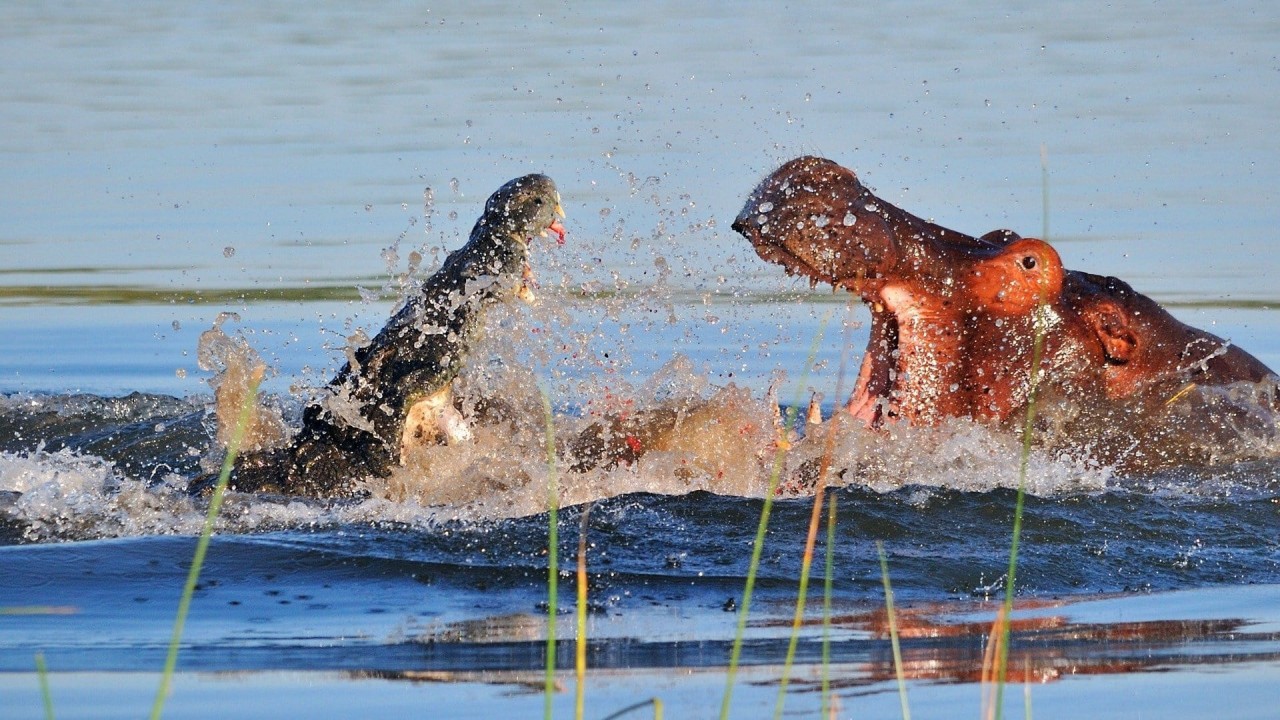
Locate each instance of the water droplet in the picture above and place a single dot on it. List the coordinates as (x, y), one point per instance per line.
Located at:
(180, 372)
(850, 219)
(228, 251)
(872, 207)
(176, 325)
(453, 185)
(762, 219)
(820, 220)
(766, 207)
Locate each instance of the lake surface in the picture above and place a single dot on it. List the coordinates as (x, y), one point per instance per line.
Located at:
(162, 165)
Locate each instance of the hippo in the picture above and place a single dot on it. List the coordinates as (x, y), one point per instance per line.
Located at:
(958, 323)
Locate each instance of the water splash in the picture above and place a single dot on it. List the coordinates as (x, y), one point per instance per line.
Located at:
(233, 362)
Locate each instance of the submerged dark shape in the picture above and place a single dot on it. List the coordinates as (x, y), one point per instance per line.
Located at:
(954, 317)
(396, 391)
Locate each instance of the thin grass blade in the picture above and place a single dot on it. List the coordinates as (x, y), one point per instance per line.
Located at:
(580, 641)
(553, 545)
(815, 517)
(893, 633)
(202, 544)
(1037, 350)
(827, 582)
(757, 547)
(46, 695)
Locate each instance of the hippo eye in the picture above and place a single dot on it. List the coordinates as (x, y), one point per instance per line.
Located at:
(1029, 262)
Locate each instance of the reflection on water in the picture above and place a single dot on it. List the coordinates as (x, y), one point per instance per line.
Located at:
(938, 645)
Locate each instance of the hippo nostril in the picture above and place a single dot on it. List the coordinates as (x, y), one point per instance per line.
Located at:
(1029, 262)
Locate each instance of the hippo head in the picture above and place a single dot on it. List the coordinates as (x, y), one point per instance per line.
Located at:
(958, 320)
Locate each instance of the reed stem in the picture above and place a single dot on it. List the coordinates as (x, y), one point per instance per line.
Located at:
(815, 519)
(580, 641)
(757, 547)
(827, 582)
(202, 544)
(553, 549)
(893, 633)
(1037, 350)
(46, 695)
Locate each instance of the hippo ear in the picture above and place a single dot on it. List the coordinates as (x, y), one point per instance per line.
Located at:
(1110, 323)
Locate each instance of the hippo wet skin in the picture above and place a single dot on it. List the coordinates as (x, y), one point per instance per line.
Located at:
(958, 321)
(396, 391)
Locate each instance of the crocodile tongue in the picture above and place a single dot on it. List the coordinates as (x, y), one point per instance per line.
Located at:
(558, 229)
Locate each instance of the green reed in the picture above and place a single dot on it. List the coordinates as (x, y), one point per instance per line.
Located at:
(553, 570)
(815, 517)
(757, 547)
(827, 581)
(580, 641)
(757, 550)
(202, 544)
(553, 550)
(1039, 326)
(46, 695)
(893, 632)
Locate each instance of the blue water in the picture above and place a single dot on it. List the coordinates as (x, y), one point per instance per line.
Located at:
(162, 164)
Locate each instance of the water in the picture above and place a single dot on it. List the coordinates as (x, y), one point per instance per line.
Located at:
(162, 165)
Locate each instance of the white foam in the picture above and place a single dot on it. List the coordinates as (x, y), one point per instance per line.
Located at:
(959, 454)
(66, 495)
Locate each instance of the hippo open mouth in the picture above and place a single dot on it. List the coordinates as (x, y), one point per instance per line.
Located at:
(958, 322)
(817, 220)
